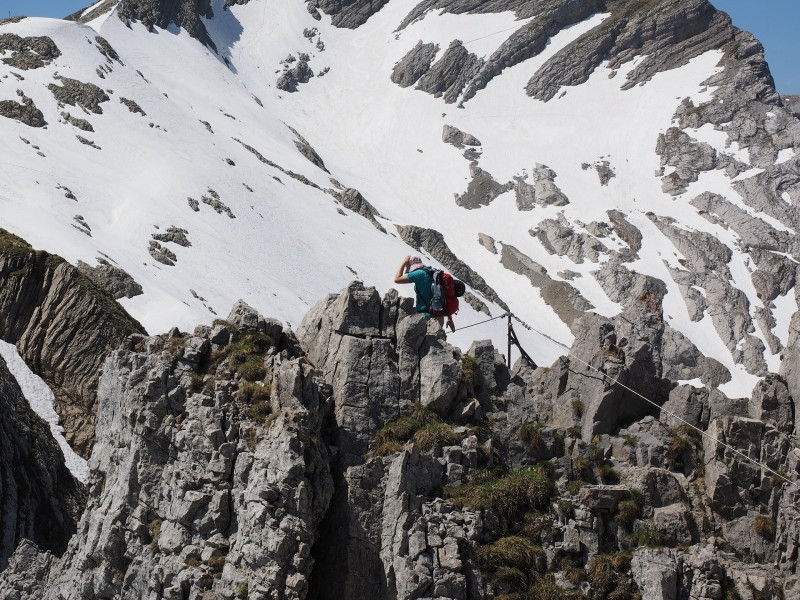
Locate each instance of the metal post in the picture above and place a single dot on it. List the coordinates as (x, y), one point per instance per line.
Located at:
(508, 356)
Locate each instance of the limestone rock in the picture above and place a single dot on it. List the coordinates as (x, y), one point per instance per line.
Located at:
(29, 52)
(656, 574)
(111, 278)
(77, 93)
(41, 499)
(25, 112)
(456, 137)
(482, 189)
(63, 326)
(414, 64)
(353, 200)
(185, 13)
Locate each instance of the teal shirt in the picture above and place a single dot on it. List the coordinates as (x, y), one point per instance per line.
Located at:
(422, 286)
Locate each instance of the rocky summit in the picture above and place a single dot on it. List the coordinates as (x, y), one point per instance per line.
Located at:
(617, 184)
(362, 456)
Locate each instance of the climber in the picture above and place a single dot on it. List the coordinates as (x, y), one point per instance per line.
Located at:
(411, 270)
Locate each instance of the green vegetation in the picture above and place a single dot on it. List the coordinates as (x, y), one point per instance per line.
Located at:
(681, 450)
(578, 407)
(436, 434)
(242, 590)
(469, 366)
(608, 474)
(154, 528)
(250, 439)
(627, 512)
(225, 323)
(649, 536)
(423, 425)
(512, 494)
(245, 356)
(531, 435)
(257, 398)
(765, 526)
(572, 572)
(574, 486)
(608, 575)
(515, 564)
(511, 551)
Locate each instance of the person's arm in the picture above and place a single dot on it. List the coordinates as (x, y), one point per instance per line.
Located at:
(400, 276)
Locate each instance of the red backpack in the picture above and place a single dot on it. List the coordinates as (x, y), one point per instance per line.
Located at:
(446, 291)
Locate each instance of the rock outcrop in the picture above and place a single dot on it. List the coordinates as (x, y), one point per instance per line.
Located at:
(223, 480)
(365, 457)
(24, 111)
(183, 13)
(28, 52)
(63, 326)
(40, 500)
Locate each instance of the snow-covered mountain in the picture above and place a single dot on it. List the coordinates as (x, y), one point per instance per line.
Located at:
(543, 151)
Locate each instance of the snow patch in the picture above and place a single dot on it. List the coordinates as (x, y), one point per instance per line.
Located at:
(40, 398)
(785, 307)
(785, 155)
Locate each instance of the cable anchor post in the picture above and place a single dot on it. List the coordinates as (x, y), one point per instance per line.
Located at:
(508, 356)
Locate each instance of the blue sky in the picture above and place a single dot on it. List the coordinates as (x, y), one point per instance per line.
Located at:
(774, 22)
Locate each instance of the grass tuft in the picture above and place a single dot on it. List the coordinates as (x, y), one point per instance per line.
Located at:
(765, 526)
(512, 494)
(531, 435)
(423, 425)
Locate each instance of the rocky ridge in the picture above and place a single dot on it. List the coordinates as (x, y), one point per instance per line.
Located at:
(63, 326)
(40, 500)
(365, 457)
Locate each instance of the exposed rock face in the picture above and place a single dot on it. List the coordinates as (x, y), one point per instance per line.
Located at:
(24, 112)
(28, 53)
(353, 200)
(559, 238)
(456, 137)
(114, 280)
(449, 75)
(706, 267)
(77, 93)
(100, 9)
(40, 500)
(292, 76)
(247, 461)
(461, 72)
(308, 151)
(687, 158)
(414, 64)
(228, 501)
(63, 326)
(628, 233)
(630, 30)
(563, 298)
(183, 13)
(482, 188)
(347, 13)
(545, 192)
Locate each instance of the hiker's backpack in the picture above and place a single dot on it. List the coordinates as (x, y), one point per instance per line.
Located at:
(445, 293)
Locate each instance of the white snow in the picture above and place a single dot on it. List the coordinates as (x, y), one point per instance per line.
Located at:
(696, 382)
(40, 398)
(718, 139)
(291, 244)
(785, 155)
(785, 307)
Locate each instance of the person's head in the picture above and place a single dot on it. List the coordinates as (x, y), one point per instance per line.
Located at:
(415, 262)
